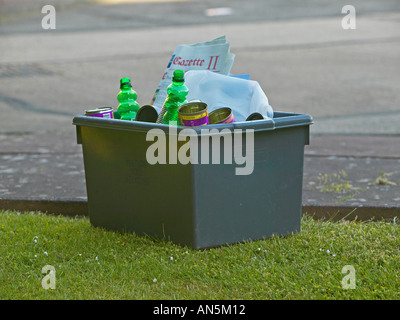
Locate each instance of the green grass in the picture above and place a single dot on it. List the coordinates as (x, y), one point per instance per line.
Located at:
(92, 263)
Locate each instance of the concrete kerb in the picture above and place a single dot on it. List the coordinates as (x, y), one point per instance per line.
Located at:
(79, 208)
(64, 207)
(350, 213)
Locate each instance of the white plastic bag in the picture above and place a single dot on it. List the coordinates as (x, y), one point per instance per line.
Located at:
(244, 97)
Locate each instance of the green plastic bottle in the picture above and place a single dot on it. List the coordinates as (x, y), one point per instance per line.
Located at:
(128, 106)
(177, 92)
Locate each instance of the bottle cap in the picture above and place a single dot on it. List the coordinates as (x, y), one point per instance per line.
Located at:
(178, 76)
(125, 82)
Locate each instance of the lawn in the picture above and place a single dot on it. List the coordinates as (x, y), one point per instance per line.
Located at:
(93, 263)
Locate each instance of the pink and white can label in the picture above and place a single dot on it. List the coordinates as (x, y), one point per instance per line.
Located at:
(221, 115)
(105, 112)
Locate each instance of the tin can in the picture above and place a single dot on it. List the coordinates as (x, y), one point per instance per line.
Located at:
(193, 114)
(147, 113)
(256, 116)
(105, 112)
(221, 115)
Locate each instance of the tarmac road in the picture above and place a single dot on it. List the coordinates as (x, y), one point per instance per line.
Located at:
(304, 60)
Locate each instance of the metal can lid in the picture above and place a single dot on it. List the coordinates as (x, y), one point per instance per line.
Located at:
(220, 115)
(191, 108)
(98, 110)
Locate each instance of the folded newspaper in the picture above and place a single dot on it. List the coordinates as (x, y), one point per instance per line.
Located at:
(211, 55)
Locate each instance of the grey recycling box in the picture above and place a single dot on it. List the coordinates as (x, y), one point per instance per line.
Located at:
(199, 205)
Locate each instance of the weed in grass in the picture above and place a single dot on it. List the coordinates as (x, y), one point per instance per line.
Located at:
(337, 183)
(383, 179)
(334, 183)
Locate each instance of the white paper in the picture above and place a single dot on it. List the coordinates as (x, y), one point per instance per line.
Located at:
(211, 55)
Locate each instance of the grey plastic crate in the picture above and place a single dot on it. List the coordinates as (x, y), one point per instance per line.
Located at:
(197, 205)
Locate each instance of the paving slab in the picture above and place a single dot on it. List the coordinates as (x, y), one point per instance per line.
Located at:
(341, 173)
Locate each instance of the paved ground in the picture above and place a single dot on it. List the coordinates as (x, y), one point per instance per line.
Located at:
(304, 60)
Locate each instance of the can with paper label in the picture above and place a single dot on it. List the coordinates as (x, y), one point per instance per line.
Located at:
(221, 115)
(105, 112)
(193, 114)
